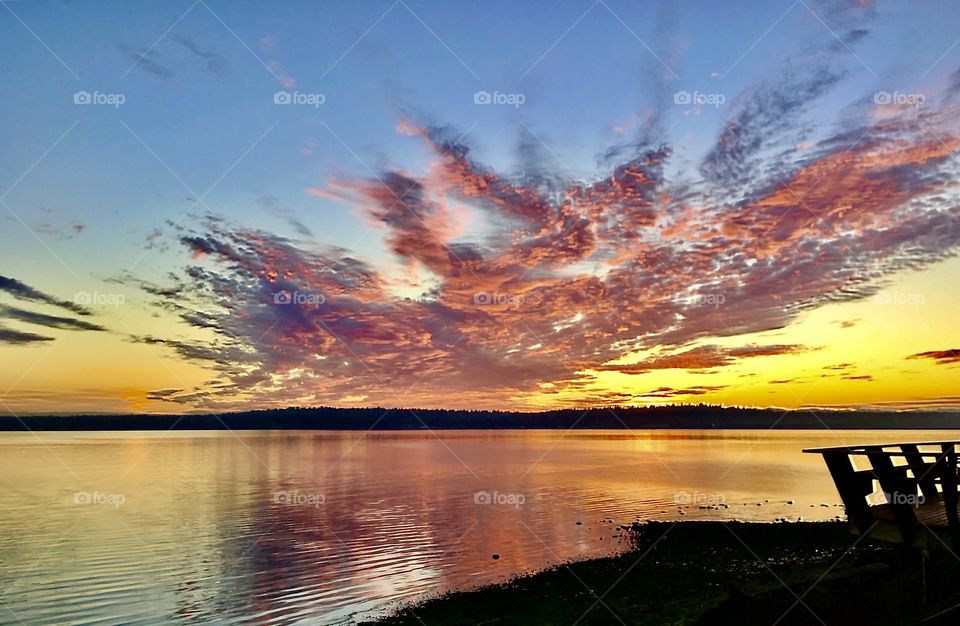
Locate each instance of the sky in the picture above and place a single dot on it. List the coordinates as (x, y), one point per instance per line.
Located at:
(211, 206)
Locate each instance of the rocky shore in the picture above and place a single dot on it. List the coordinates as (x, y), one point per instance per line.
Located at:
(714, 573)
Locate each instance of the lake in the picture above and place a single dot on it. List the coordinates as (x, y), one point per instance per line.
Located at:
(320, 527)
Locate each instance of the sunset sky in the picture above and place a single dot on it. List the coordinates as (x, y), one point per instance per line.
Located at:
(221, 205)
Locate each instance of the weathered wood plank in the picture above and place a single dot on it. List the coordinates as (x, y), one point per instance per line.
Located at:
(901, 494)
(853, 489)
(924, 473)
(950, 496)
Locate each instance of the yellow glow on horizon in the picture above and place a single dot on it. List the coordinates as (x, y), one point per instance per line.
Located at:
(915, 313)
(106, 371)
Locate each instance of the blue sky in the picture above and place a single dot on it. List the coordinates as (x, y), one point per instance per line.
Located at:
(581, 71)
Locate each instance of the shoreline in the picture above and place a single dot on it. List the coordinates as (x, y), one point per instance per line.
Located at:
(620, 418)
(706, 572)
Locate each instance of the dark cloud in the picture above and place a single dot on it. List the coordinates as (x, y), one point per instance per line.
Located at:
(704, 357)
(953, 89)
(22, 291)
(16, 337)
(764, 118)
(845, 323)
(161, 59)
(272, 204)
(941, 357)
(146, 60)
(50, 321)
(163, 394)
(58, 225)
(670, 392)
(212, 62)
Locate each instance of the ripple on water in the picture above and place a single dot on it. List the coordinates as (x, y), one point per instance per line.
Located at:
(201, 535)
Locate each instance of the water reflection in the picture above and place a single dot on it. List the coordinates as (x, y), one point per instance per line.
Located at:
(287, 527)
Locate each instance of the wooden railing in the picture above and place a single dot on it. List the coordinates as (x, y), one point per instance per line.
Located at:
(914, 478)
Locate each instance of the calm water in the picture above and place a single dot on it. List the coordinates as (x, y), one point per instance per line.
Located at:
(284, 528)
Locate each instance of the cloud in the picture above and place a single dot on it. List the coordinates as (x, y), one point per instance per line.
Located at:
(670, 392)
(269, 45)
(212, 62)
(163, 394)
(58, 225)
(146, 60)
(163, 61)
(705, 357)
(320, 192)
(940, 357)
(572, 276)
(50, 321)
(16, 337)
(26, 293)
(763, 118)
(22, 291)
(272, 204)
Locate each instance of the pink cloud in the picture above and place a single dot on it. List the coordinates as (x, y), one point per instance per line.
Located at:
(575, 273)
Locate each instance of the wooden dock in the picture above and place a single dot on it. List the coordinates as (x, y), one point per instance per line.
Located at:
(901, 492)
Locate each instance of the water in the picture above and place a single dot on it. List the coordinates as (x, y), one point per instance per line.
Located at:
(321, 527)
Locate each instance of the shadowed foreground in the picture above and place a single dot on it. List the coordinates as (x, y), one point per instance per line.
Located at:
(712, 573)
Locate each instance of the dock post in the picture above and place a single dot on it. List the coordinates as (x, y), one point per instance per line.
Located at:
(897, 489)
(949, 481)
(852, 492)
